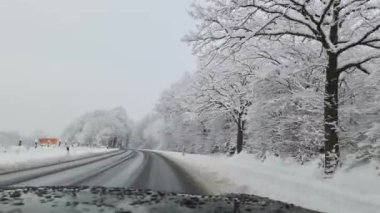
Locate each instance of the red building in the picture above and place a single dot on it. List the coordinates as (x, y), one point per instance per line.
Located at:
(48, 141)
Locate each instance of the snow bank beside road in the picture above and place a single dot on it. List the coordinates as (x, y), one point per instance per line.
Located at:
(357, 190)
(20, 157)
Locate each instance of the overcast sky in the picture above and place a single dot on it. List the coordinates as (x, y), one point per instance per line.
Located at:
(60, 59)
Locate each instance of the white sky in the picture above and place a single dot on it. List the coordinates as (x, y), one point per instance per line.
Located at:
(60, 59)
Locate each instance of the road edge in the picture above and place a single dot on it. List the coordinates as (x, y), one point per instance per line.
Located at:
(186, 171)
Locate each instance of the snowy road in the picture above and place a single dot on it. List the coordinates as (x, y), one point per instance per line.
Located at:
(132, 168)
(123, 170)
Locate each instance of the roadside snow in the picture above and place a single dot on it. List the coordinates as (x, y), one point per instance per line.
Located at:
(20, 157)
(356, 190)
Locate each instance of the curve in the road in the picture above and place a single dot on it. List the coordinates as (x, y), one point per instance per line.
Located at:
(138, 169)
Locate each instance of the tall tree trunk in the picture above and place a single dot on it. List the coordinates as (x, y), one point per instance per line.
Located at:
(240, 134)
(331, 98)
(331, 116)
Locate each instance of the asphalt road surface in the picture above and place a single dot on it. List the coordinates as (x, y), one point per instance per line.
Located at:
(129, 169)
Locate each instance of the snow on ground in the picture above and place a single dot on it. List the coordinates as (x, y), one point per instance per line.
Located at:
(20, 157)
(356, 190)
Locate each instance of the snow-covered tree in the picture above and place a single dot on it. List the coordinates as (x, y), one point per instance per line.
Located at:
(149, 133)
(360, 120)
(184, 127)
(347, 32)
(225, 90)
(101, 127)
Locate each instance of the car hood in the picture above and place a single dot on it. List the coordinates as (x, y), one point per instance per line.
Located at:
(103, 199)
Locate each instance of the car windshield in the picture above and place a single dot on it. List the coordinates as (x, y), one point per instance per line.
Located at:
(190, 106)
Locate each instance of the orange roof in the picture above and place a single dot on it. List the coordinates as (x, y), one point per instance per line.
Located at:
(48, 141)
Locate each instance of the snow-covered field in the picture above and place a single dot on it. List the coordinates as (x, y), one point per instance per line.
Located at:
(356, 190)
(20, 157)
